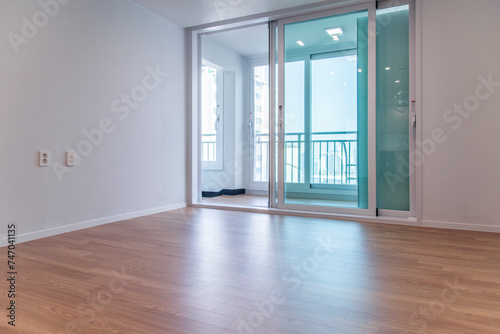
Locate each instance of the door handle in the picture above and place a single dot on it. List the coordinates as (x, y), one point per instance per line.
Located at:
(217, 118)
(413, 126)
(280, 117)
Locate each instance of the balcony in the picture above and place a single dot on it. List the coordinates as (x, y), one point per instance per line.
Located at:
(334, 158)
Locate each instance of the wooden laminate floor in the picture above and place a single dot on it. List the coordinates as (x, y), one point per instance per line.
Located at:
(208, 271)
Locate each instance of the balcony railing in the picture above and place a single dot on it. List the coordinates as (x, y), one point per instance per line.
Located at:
(261, 158)
(333, 154)
(209, 147)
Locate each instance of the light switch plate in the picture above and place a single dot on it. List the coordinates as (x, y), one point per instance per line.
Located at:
(71, 158)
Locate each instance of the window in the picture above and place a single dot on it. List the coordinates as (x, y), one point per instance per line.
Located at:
(260, 123)
(334, 120)
(212, 117)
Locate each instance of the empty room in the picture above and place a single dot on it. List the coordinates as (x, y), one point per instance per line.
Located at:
(250, 167)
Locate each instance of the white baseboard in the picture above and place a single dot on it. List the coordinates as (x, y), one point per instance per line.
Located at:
(461, 226)
(91, 223)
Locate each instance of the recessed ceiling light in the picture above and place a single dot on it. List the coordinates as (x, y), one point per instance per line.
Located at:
(335, 37)
(387, 68)
(397, 81)
(335, 31)
(360, 70)
(300, 43)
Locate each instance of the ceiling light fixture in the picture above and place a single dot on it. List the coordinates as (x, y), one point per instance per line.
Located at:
(335, 31)
(300, 43)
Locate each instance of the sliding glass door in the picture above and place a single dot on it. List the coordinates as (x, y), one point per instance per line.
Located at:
(326, 113)
(332, 121)
(395, 116)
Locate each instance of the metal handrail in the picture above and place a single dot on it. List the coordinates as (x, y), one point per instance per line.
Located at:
(334, 160)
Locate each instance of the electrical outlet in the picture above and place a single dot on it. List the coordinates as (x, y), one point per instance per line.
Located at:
(71, 158)
(44, 158)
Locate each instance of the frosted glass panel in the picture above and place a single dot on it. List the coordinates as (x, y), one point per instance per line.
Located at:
(393, 177)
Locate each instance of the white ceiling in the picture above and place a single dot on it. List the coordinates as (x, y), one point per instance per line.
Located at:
(247, 42)
(188, 13)
(251, 41)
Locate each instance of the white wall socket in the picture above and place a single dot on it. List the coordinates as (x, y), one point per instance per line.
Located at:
(71, 158)
(44, 158)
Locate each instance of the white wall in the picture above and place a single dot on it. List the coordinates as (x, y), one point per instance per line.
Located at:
(63, 81)
(232, 175)
(461, 177)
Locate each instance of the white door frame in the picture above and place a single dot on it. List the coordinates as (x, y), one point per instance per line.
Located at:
(194, 141)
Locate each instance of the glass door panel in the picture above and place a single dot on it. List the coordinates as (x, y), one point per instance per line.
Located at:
(393, 115)
(326, 111)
